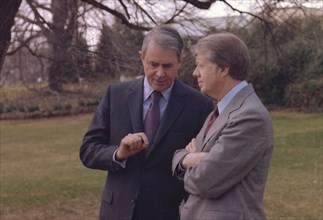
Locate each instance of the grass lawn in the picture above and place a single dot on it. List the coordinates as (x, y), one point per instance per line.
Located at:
(43, 178)
(41, 174)
(295, 186)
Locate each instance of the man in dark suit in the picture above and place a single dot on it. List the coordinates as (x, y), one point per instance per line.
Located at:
(225, 168)
(140, 184)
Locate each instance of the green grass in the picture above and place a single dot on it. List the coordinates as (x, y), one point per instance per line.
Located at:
(295, 188)
(40, 169)
(40, 164)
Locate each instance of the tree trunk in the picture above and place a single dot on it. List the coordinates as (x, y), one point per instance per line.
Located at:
(64, 28)
(8, 11)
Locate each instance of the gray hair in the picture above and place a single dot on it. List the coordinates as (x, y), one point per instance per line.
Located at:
(166, 37)
(226, 50)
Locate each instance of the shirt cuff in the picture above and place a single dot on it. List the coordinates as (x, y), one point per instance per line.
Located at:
(122, 163)
(180, 170)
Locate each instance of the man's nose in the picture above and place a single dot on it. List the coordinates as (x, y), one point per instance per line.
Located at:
(195, 73)
(160, 71)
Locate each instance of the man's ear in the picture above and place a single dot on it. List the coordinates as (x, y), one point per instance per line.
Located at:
(180, 60)
(142, 56)
(225, 71)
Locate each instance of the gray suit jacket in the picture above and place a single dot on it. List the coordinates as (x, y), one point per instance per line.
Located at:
(229, 183)
(145, 183)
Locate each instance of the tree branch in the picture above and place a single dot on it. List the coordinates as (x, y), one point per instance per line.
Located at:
(145, 12)
(117, 14)
(176, 14)
(124, 8)
(23, 44)
(201, 4)
(243, 12)
(40, 19)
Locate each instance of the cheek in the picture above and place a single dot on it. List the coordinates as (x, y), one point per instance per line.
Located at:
(149, 71)
(171, 74)
(203, 75)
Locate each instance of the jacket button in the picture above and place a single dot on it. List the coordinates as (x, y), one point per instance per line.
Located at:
(133, 200)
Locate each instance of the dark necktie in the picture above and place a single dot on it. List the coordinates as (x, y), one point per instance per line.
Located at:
(152, 119)
(211, 121)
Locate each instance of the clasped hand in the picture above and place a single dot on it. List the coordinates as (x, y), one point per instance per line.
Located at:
(132, 144)
(193, 158)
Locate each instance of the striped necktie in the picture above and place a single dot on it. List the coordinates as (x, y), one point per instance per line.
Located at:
(212, 119)
(152, 119)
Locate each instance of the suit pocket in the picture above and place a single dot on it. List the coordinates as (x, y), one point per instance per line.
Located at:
(107, 196)
(220, 215)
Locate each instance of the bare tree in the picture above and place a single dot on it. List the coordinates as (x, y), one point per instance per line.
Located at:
(8, 11)
(55, 24)
(64, 28)
(59, 22)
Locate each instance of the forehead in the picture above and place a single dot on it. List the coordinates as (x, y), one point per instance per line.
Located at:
(158, 53)
(201, 58)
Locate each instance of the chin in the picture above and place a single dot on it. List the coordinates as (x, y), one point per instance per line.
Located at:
(202, 90)
(161, 87)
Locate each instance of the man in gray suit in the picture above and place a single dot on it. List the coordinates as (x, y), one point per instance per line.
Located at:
(225, 168)
(140, 184)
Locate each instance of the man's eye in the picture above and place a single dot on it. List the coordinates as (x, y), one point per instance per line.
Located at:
(199, 66)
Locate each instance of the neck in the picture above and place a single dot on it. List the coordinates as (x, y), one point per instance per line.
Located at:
(229, 84)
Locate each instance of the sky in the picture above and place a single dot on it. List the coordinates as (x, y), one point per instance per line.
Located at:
(220, 9)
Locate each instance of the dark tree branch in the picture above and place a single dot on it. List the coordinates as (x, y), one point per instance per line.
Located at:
(176, 14)
(243, 12)
(23, 44)
(124, 8)
(145, 12)
(37, 5)
(200, 4)
(117, 14)
(40, 20)
(31, 51)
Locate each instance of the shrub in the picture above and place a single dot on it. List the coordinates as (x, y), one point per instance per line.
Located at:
(33, 108)
(58, 107)
(11, 108)
(306, 95)
(21, 108)
(1, 108)
(93, 102)
(81, 103)
(68, 106)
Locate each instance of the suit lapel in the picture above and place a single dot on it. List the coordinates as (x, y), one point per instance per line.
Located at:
(135, 102)
(234, 104)
(200, 136)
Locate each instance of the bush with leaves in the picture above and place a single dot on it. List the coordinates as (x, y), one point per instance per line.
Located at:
(305, 95)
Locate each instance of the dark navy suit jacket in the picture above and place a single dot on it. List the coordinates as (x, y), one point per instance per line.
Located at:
(145, 183)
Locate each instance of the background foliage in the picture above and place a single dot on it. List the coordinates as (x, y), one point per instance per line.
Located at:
(53, 63)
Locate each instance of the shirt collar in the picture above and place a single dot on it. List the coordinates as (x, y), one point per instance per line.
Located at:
(148, 90)
(229, 96)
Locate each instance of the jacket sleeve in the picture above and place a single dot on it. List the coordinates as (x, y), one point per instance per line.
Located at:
(95, 151)
(239, 148)
(178, 156)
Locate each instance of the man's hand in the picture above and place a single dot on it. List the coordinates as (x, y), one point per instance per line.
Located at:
(193, 158)
(131, 145)
(191, 147)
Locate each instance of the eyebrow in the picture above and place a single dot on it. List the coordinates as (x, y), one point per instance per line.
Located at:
(163, 64)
